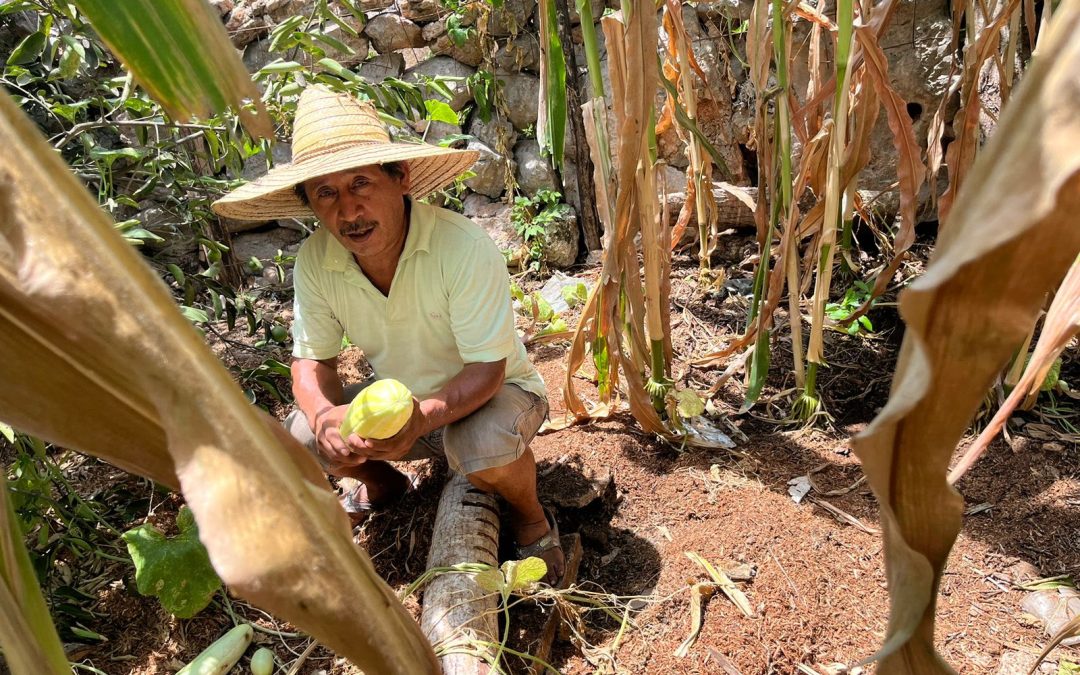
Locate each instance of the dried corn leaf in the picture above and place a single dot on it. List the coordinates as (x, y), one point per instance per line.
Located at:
(1062, 323)
(725, 584)
(961, 152)
(699, 595)
(1010, 239)
(909, 167)
(97, 357)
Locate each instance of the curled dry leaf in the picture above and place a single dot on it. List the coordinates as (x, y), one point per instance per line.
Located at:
(97, 357)
(1011, 238)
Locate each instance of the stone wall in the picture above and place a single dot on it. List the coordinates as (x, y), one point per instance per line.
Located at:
(410, 39)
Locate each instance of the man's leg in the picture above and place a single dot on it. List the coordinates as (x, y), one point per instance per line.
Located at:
(516, 483)
(491, 448)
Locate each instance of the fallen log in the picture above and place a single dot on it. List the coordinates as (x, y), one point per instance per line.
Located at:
(456, 610)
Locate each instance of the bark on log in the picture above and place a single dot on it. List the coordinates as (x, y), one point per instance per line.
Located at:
(455, 607)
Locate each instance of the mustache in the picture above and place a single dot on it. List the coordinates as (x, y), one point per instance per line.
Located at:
(356, 226)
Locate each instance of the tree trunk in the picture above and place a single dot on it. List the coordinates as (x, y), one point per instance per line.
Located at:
(455, 607)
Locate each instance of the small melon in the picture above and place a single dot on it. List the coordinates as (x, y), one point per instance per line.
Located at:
(381, 410)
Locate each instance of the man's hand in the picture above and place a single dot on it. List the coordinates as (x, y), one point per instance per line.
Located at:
(397, 446)
(328, 436)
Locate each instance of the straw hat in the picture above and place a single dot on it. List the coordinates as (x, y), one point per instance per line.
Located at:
(333, 132)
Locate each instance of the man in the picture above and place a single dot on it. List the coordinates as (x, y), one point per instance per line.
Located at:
(424, 293)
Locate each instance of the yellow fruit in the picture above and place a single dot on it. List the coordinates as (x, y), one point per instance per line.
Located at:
(379, 411)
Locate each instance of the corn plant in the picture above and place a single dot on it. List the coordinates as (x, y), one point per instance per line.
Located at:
(1009, 239)
(99, 358)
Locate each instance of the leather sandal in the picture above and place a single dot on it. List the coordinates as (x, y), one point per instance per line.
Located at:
(544, 544)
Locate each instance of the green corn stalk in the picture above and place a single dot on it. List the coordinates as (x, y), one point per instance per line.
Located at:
(833, 192)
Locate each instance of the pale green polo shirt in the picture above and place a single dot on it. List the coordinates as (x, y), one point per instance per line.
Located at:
(449, 305)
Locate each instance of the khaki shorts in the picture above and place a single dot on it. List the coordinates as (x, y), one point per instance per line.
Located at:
(494, 435)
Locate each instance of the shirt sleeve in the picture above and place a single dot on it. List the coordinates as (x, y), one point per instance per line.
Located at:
(316, 332)
(481, 314)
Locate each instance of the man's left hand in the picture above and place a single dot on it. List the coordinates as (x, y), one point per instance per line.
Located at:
(397, 446)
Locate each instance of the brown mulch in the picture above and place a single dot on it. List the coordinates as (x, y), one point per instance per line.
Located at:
(819, 593)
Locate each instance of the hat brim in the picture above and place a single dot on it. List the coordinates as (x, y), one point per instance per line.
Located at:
(273, 196)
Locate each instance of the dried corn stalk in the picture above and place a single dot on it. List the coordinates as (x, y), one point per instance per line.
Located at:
(1010, 239)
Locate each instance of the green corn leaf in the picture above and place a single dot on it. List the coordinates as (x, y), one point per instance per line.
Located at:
(177, 571)
(179, 52)
(551, 133)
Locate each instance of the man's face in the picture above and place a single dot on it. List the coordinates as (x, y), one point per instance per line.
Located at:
(363, 208)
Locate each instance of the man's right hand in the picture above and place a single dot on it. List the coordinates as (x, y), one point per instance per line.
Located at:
(331, 445)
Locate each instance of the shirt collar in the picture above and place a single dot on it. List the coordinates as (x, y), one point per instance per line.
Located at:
(338, 259)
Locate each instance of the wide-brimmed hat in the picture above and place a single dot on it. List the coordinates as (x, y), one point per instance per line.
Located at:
(333, 132)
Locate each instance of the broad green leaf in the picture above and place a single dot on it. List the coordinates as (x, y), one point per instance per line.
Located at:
(176, 273)
(175, 570)
(72, 58)
(194, 315)
(333, 43)
(438, 111)
(491, 580)
(280, 67)
(29, 49)
(575, 295)
(521, 574)
(179, 52)
(88, 326)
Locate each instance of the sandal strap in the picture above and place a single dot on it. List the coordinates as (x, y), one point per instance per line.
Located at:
(548, 542)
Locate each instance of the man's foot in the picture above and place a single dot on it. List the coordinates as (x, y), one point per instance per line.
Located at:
(543, 542)
(359, 498)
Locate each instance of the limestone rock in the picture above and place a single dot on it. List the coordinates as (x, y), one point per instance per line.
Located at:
(433, 131)
(511, 18)
(561, 240)
(521, 93)
(469, 52)
(359, 44)
(382, 66)
(249, 20)
(519, 53)
(478, 206)
(257, 54)
(534, 171)
(490, 169)
(222, 6)
(390, 32)
(369, 6)
(494, 217)
(444, 66)
(498, 134)
(262, 245)
(419, 11)
(920, 76)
